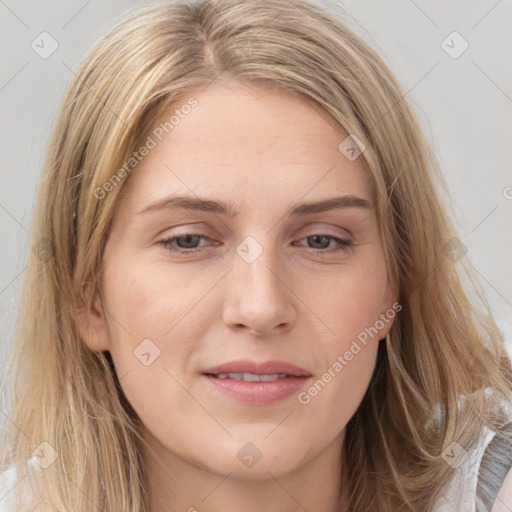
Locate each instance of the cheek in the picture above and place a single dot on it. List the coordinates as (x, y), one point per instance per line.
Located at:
(335, 394)
(349, 307)
(149, 300)
(156, 321)
(348, 303)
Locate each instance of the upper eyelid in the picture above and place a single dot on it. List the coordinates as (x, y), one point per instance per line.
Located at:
(324, 232)
(317, 227)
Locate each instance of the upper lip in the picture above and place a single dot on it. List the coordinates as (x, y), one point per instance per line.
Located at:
(265, 368)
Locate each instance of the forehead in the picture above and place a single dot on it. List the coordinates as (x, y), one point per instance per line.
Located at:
(245, 144)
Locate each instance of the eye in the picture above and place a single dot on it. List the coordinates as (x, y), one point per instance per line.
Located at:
(189, 240)
(188, 243)
(323, 240)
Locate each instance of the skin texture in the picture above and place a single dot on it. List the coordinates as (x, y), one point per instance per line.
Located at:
(264, 151)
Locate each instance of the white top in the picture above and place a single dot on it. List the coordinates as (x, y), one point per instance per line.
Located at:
(8, 481)
(7, 484)
(459, 495)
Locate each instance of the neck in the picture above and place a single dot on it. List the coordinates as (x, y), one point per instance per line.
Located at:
(177, 484)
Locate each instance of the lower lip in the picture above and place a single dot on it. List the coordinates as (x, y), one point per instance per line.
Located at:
(258, 393)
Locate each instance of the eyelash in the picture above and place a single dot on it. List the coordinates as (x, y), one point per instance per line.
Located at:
(344, 245)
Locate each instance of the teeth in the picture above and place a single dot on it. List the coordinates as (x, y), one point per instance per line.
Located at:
(251, 377)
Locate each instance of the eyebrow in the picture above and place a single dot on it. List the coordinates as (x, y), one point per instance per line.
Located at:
(210, 206)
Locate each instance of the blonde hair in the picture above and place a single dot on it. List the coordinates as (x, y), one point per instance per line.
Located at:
(442, 346)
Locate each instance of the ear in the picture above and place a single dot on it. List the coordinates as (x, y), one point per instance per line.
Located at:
(390, 309)
(91, 322)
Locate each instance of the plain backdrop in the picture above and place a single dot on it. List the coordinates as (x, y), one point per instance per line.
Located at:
(453, 58)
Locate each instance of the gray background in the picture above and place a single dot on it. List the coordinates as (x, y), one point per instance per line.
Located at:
(464, 105)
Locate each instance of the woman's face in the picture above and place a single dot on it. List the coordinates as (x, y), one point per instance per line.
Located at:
(291, 278)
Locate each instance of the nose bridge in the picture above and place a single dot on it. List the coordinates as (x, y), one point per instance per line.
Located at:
(256, 267)
(257, 296)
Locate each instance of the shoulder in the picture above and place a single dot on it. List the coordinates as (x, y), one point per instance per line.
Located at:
(460, 492)
(8, 481)
(482, 476)
(495, 477)
(13, 481)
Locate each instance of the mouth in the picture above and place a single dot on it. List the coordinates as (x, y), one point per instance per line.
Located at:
(241, 368)
(257, 383)
(250, 377)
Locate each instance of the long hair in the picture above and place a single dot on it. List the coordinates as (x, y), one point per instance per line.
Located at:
(67, 403)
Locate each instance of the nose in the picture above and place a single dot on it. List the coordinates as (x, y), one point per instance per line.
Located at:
(259, 297)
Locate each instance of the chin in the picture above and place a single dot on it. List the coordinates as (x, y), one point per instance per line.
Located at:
(256, 460)
(261, 471)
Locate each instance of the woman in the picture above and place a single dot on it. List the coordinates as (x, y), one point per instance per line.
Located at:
(242, 293)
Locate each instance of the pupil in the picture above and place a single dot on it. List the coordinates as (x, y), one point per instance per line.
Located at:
(316, 237)
(187, 239)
